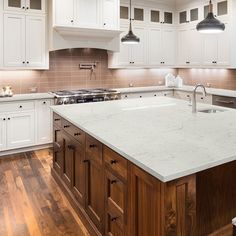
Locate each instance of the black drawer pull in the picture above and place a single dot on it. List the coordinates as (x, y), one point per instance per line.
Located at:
(85, 161)
(92, 145)
(77, 134)
(113, 181)
(71, 147)
(57, 119)
(114, 219)
(113, 162)
(66, 126)
(225, 102)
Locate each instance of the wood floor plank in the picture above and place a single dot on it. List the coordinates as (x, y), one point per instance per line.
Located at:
(31, 203)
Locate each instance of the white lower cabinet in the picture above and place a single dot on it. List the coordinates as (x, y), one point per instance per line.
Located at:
(25, 124)
(2, 133)
(44, 121)
(20, 130)
(147, 94)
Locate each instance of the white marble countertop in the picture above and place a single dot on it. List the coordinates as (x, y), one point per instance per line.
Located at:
(159, 134)
(186, 88)
(29, 96)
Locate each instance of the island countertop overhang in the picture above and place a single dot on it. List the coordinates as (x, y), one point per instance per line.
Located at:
(160, 135)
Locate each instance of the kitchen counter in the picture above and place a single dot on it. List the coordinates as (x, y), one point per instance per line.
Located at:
(160, 135)
(212, 91)
(29, 96)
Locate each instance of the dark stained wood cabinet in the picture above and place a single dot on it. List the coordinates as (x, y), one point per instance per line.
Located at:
(114, 197)
(94, 203)
(146, 204)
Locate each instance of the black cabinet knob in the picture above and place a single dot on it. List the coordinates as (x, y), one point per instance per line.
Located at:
(113, 162)
(92, 146)
(8, 118)
(114, 219)
(23, 7)
(20, 106)
(113, 181)
(23, 62)
(44, 103)
(27, 62)
(85, 161)
(4, 119)
(72, 21)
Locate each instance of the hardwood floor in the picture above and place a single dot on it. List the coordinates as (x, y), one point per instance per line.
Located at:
(31, 203)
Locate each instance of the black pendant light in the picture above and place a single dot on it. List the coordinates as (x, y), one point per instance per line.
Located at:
(210, 24)
(130, 38)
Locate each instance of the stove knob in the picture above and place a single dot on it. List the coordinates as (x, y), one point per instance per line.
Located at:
(66, 102)
(60, 102)
(72, 101)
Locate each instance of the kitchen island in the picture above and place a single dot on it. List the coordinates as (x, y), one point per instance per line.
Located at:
(147, 167)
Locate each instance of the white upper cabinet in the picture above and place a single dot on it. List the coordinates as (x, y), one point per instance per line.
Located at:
(161, 46)
(24, 42)
(27, 6)
(189, 15)
(189, 47)
(155, 47)
(97, 14)
(87, 13)
(217, 49)
(110, 13)
(14, 40)
(35, 41)
(64, 12)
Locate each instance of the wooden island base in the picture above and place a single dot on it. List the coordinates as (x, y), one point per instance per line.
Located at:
(115, 197)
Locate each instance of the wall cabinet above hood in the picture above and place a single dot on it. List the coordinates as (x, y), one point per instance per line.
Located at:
(84, 24)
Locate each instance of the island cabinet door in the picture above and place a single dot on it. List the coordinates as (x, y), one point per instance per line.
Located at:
(115, 205)
(58, 150)
(78, 169)
(67, 163)
(94, 203)
(144, 204)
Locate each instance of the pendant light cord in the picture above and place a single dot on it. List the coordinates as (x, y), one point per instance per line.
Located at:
(130, 19)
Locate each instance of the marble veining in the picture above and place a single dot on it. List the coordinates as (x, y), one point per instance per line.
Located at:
(160, 135)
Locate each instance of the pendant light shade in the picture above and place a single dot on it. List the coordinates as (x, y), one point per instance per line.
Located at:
(130, 38)
(210, 24)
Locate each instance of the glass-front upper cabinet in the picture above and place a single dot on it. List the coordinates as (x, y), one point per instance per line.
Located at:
(189, 15)
(34, 6)
(220, 8)
(137, 13)
(157, 16)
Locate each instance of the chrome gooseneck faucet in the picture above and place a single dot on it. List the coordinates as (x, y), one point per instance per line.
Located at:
(194, 103)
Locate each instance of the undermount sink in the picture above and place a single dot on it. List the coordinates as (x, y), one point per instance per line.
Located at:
(211, 110)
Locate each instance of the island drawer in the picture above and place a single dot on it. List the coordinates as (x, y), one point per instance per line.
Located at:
(93, 149)
(115, 162)
(57, 119)
(75, 132)
(224, 101)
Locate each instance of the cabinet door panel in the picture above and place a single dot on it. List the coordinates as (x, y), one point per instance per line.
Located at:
(78, 176)
(44, 122)
(58, 154)
(210, 48)
(110, 14)
(87, 13)
(14, 40)
(168, 46)
(155, 51)
(145, 204)
(64, 12)
(124, 56)
(224, 48)
(3, 134)
(138, 53)
(20, 130)
(35, 41)
(67, 163)
(183, 42)
(35, 6)
(195, 47)
(15, 5)
(94, 192)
